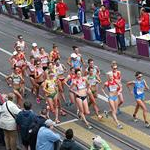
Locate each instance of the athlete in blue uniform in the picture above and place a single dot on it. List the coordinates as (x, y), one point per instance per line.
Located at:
(139, 85)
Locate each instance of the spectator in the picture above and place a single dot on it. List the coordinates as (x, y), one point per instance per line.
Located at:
(81, 14)
(61, 9)
(51, 8)
(45, 6)
(144, 21)
(99, 143)
(104, 21)
(47, 137)
(84, 8)
(69, 143)
(24, 119)
(35, 126)
(96, 21)
(39, 10)
(8, 111)
(120, 30)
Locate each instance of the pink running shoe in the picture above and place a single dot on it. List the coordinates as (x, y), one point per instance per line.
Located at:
(38, 100)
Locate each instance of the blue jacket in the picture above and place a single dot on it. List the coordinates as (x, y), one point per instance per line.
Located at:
(24, 119)
(46, 138)
(95, 17)
(81, 15)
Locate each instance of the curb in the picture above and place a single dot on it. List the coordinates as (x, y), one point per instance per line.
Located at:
(90, 43)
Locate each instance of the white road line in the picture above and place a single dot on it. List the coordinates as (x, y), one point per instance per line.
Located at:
(66, 122)
(9, 53)
(5, 51)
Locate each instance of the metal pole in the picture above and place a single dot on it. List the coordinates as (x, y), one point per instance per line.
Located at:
(129, 20)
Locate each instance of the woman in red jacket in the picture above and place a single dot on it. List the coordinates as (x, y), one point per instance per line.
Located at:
(144, 21)
(104, 18)
(120, 30)
(61, 9)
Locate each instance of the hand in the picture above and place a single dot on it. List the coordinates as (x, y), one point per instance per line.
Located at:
(131, 92)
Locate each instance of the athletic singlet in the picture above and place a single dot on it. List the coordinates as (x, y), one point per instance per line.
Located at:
(39, 71)
(139, 87)
(92, 80)
(50, 85)
(31, 67)
(112, 86)
(53, 71)
(54, 55)
(95, 68)
(76, 63)
(117, 75)
(19, 60)
(59, 69)
(16, 79)
(21, 45)
(36, 53)
(44, 59)
(81, 84)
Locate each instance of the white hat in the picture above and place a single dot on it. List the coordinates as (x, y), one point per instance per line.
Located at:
(15, 53)
(97, 141)
(73, 55)
(34, 44)
(49, 123)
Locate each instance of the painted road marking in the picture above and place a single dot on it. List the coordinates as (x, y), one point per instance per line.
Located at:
(130, 109)
(84, 135)
(66, 122)
(127, 130)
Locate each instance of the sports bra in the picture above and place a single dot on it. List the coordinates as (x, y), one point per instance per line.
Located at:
(31, 67)
(39, 71)
(92, 80)
(50, 85)
(81, 84)
(59, 69)
(112, 86)
(139, 87)
(16, 79)
(21, 44)
(44, 59)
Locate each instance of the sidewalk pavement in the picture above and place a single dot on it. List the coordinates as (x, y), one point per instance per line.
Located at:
(131, 50)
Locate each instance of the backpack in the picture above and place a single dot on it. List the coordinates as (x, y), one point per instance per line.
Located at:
(75, 28)
(33, 130)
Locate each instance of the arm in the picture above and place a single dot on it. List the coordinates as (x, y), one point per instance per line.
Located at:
(69, 61)
(7, 79)
(146, 86)
(129, 84)
(103, 90)
(53, 137)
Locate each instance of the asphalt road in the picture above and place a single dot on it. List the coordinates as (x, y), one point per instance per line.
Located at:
(133, 132)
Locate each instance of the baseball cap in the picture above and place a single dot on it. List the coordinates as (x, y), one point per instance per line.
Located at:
(73, 55)
(49, 123)
(97, 141)
(15, 53)
(34, 44)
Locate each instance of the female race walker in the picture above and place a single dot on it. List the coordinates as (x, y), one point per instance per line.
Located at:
(117, 77)
(81, 84)
(15, 80)
(114, 89)
(51, 94)
(139, 85)
(68, 82)
(93, 80)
